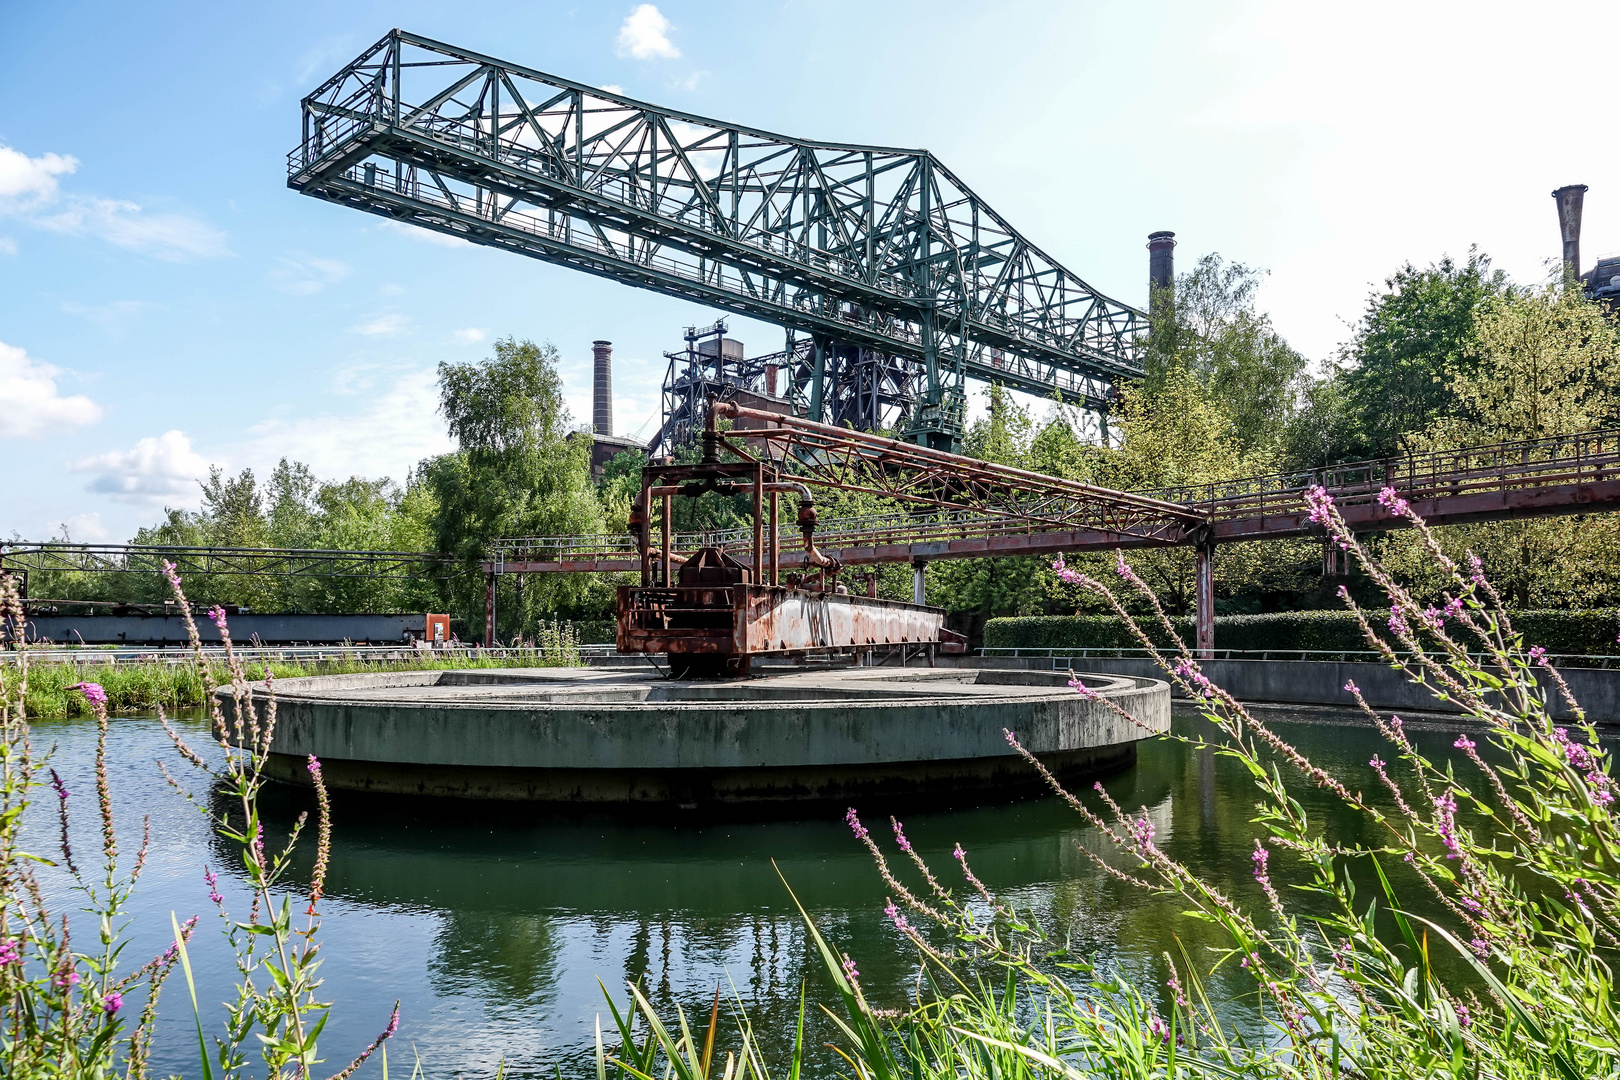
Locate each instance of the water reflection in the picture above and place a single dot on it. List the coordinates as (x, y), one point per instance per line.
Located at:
(494, 923)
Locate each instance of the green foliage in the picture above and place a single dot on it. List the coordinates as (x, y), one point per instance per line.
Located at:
(517, 472)
(1414, 338)
(1210, 329)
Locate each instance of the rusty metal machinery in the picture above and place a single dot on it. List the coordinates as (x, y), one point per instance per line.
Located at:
(713, 613)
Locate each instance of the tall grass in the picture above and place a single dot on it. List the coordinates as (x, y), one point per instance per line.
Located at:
(1509, 973)
(147, 685)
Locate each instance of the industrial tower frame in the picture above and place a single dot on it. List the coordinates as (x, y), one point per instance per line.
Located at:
(868, 247)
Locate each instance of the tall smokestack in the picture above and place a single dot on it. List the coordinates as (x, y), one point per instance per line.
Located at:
(602, 388)
(1161, 266)
(1569, 200)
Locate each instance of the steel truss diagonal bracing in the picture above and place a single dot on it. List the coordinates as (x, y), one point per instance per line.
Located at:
(856, 246)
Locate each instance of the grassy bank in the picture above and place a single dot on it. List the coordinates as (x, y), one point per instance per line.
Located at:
(145, 686)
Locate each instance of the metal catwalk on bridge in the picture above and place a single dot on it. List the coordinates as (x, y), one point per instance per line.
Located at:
(859, 247)
(1569, 474)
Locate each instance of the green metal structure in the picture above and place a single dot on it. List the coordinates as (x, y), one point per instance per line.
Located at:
(864, 246)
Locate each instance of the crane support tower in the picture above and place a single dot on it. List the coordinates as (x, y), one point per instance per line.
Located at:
(867, 251)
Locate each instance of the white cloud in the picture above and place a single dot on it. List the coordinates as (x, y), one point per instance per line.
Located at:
(691, 81)
(613, 88)
(645, 34)
(30, 404)
(85, 528)
(307, 276)
(121, 223)
(398, 426)
(382, 324)
(153, 471)
(426, 236)
(8, 246)
(108, 316)
(472, 335)
(26, 182)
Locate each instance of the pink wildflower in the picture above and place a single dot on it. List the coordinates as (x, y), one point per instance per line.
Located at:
(1321, 505)
(900, 838)
(855, 825)
(849, 968)
(217, 614)
(9, 952)
(93, 692)
(1390, 500)
(112, 1002)
(1464, 743)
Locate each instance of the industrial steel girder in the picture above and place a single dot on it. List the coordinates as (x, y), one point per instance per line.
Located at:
(871, 245)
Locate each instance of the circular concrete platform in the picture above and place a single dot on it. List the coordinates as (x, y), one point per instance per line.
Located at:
(605, 736)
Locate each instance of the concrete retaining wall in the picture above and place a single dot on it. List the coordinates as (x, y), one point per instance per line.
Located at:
(1311, 682)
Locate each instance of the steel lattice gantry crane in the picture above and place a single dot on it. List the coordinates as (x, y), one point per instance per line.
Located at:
(861, 246)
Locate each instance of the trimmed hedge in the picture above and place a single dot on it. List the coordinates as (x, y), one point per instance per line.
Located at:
(1589, 632)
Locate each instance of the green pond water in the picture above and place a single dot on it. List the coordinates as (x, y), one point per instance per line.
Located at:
(492, 924)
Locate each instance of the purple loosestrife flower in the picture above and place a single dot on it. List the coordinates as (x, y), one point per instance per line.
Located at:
(66, 976)
(1434, 618)
(217, 613)
(1260, 858)
(899, 920)
(213, 882)
(1321, 505)
(169, 573)
(1538, 654)
(1446, 824)
(849, 968)
(61, 788)
(112, 1002)
(855, 825)
(1141, 830)
(314, 764)
(1157, 1027)
(1463, 1019)
(1173, 984)
(93, 692)
(1454, 608)
(1397, 623)
(1377, 763)
(1481, 948)
(1464, 743)
(900, 838)
(1079, 687)
(1350, 686)
(1391, 500)
(9, 953)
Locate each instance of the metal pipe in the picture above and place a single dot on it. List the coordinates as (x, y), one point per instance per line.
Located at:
(776, 538)
(922, 454)
(667, 525)
(759, 523)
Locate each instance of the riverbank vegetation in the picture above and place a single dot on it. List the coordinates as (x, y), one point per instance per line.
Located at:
(1448, 355)
(148, 685)
(1497, 965)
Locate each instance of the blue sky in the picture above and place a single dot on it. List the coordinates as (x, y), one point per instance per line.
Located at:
(167, 303)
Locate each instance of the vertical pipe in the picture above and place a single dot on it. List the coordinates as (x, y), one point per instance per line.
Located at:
(919, 591)
(1205, 601)
(489, 609)
(1569, 199)
(776, 538)
(759, 524)
(666, 558)
(644, 539)
(818, 375)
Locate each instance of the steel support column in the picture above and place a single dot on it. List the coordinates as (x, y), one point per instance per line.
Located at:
(489, 609)
(1205, 600)
(919, 590)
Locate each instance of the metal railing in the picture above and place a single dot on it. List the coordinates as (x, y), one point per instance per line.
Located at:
(1368, 656)
(181, 655)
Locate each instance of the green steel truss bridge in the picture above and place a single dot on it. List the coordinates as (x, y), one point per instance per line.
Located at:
(863, 246)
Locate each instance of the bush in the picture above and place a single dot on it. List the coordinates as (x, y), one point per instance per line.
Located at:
(1589, 632)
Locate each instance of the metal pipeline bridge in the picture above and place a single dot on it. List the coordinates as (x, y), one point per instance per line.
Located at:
(864, 246)
(964, 509)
